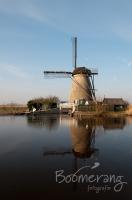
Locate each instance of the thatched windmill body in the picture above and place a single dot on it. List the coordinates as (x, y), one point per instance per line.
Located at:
(82, 79)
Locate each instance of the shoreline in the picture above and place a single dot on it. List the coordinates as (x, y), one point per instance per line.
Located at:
(101, 114)
(76, 114)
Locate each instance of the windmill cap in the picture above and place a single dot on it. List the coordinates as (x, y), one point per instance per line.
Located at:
(81, 70)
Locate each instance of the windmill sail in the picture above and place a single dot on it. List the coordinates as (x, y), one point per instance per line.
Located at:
(57, 74)
(74, 49)
(82, 79)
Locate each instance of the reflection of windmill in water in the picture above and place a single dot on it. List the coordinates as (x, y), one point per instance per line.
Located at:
(82, 79)
(83, 141)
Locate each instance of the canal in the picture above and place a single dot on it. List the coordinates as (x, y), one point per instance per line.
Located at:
(43, 157)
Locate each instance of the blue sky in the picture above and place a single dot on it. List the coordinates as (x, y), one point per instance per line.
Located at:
(35, 35)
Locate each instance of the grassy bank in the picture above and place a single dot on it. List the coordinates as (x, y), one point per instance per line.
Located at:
(19, 110)
(12, 110)
(128, 112)
(101, 111)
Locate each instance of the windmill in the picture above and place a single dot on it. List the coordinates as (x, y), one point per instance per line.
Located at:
(82, 79)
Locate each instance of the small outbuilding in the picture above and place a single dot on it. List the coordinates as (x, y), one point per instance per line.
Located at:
(115, 104)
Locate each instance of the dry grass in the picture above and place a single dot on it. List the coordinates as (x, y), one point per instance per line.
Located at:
(12, 110)
(129, 110)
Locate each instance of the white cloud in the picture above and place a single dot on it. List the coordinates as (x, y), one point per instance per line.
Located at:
(13, 70)
(130, 63)
(126, 62)
(29, 9)
(60, 14)
(123, 29)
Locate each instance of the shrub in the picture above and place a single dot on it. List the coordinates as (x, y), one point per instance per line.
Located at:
(48, 102)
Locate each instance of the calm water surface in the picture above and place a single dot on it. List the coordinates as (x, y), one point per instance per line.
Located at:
(35, 149)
